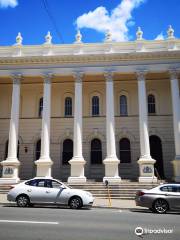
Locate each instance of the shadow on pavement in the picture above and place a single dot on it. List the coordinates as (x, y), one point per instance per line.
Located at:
(149, 211)
(43, 206)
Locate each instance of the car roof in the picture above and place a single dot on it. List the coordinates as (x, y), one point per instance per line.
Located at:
(166, 185)
(50, 178)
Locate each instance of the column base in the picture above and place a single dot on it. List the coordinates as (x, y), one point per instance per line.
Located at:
(148, 179)
(10, 174)
(43, 167)
(8, 181)
(146, 167)
(76, 179)
(111, 170)
(176, 167)
(112, 179)
(77, 170)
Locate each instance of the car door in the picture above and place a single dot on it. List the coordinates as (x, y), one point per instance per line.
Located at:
(175, 197)
(36, 190)
(55, 192)
(172, 195)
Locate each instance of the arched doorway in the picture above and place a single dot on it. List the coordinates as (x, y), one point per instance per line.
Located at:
(67, 153)
(38, 149)
(96, 151)
(96, 170)
(157, 154)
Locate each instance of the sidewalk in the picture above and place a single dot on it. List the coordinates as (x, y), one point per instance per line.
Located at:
(115, 203)
(98, 203)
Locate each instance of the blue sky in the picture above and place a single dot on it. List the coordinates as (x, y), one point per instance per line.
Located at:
(92, 17)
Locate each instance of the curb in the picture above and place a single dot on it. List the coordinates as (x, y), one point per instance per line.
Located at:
(99, 206)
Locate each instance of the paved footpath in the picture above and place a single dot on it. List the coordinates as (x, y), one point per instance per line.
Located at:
(99, 202)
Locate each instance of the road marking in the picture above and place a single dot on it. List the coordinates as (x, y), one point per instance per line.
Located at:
(29, 222)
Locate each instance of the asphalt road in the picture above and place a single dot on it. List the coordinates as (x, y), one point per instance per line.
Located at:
(50, 223)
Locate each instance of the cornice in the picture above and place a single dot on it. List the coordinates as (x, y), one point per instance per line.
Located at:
(90, 58)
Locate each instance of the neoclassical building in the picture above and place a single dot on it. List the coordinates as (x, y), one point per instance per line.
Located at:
(90, 111)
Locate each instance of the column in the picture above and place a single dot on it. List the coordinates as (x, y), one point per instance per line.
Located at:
(11, 164)
(176, 122)
(146, 163)
(111, 161)
(77, 162)
(44, 163)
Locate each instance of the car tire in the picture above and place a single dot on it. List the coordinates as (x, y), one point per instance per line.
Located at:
(23, 201)
(75, 203)
(160, 206)
(152, 210)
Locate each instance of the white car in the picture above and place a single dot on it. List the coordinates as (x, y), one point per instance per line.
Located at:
(48, 191)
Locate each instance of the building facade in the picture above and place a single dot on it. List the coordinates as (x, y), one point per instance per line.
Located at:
(107, 111)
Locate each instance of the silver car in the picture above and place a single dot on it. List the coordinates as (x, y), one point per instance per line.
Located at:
(48, 191)
(160, 199)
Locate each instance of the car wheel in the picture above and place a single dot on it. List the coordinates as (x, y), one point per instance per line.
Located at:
(23, 201)
(75, 203)
(160, 206)
(152, 210)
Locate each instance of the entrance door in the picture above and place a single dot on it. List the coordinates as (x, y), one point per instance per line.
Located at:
(156, 153)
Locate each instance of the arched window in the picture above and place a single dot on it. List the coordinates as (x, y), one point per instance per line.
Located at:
(96, 151)
(40, 107)
(125, 150)
(123, 105)
(38, 149)
(67, 153)
(95, 106)
(68, 107)
(151, 104)
(6, 149)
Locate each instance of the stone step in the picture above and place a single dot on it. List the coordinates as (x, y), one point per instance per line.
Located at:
(116, 197)
(123, 190)
(112, 184)
(115, 187)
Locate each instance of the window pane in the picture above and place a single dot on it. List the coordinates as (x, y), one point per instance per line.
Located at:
(123, 105)
(41, 183)
(56, 185)
(31, 183)
(48, 183)
(95, 106)
(68, 106)
(151, 104)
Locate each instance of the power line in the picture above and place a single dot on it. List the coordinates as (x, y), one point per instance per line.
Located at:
(47, 9)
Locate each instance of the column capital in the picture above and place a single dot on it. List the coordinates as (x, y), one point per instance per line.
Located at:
(141, 75)
(78, 76)
(47, 77)
(16, 78)
(109, 76)
(173, 74)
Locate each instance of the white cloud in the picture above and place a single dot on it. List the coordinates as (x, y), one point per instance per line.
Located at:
(8, 3)
(117, 21)
(160, 37)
